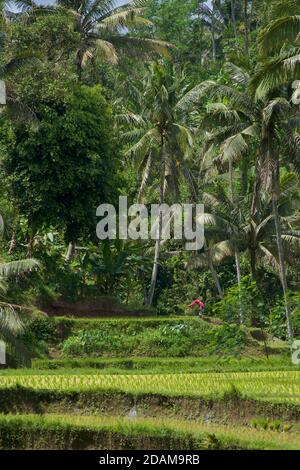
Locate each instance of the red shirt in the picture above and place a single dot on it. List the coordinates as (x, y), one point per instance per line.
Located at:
(200, 304)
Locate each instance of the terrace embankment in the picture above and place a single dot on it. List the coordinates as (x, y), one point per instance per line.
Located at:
(231, 408)
(65, 432)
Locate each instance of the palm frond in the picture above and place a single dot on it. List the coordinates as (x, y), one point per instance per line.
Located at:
(278, 8)
(10, 320)
(125, 18)
(183, 137)
(146, 174)
(276, 72)
(15, 268)
(222, 112)
(140, 47)
(279, 32)
(237, 74)
(130, 118)
(275, 110)
(234, 147)
(194, 95)
(107, 50)
(149, 141)
(268, 257)
(292, 239)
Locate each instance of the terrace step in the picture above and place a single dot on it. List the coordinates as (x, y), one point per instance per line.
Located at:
(66, 432)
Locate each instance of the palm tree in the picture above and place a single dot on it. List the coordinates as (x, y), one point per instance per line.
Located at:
(213, 19)
(102, 27)
(254, 234)
(230, 226)
(266, 123)
(279, 48)
(164, 141)
(230, 144)
(283, 28)
(246, 22)
(11, 324)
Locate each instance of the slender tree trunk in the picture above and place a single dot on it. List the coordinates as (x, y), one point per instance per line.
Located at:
(230, 176)
(214, 45)
(231, 197)
(253, 264)
(71, 252)
(213, 271)
(282, 266)
(246, 21)
(160, 221)
(273, 182)
(236, 250)
(238, 266)
(213, 32)
(239, 279)
(12, 243)
(233, 19)
(208, 253)
(79, 59)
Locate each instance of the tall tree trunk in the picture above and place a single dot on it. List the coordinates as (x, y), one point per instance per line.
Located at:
(12, 243)
(236, 250)
(213, 271)
(272, 163)
(207, 250)
(282, 266)
(230, 177)
(239, 279)
(71, 252)
(253, 263)
(238, 266)
(160, 221)
(214, 45)
(79, 59)
(233, 19)
(246, 21)
(213, 32)
(231, 197)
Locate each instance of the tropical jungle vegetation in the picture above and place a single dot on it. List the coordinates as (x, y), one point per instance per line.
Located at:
(162, 101)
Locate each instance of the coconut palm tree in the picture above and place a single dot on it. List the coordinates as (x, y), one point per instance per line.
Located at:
(233, 226)
(266, 123)
(103, 28)
(254, 234)
(164, 140)
(212, 18)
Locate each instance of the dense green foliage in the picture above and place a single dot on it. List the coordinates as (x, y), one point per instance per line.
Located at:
(165, 337)
(204, 117)
(71, 153)
(165, 102)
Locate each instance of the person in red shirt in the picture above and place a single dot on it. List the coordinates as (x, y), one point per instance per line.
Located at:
(199, 304)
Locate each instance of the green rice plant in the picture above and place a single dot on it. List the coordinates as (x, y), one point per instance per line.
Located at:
(274, 386)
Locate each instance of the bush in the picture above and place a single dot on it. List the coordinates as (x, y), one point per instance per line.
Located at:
(185, 338)
(228, 339)
(242, 300)
(98, 343)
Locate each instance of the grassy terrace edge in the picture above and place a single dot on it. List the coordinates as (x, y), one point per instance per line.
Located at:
(231, 406)
(64, 432)
(154, 365)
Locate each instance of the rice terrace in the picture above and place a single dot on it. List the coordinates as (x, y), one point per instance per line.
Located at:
(170, 325)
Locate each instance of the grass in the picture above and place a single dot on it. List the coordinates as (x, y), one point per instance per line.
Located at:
(208, 400)
(275, 386)
(154, 365)
(68, 338)
(64, 431)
